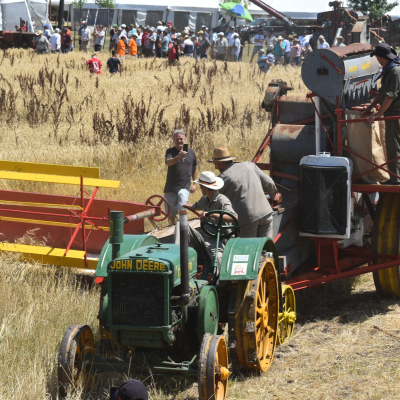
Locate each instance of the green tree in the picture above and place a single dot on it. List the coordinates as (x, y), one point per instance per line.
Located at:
(373, 8)
(107, 4)
(79, 4)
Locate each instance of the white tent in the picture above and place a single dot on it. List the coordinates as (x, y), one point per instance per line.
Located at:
(11, 11)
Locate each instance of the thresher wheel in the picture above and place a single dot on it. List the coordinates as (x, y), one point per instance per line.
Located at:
(253, 330)
(385, 240)
(77, 343)
(213, 368)
(288, 315)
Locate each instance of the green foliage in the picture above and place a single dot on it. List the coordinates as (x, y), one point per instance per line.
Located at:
(108, 4)
(373, 8)
(79, 3)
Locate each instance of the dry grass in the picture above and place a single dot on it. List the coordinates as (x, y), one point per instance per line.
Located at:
(52, 110)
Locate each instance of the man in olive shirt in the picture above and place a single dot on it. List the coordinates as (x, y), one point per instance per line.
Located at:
(388, 98)
(211, 200)
(245, 186)
(182, 166)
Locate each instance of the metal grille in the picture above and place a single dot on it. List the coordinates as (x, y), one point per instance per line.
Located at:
(137, 299)
(323, 200)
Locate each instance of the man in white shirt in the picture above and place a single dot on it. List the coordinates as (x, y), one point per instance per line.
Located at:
(99, 36)
(303, 38)
(188, 47)
(123, 32)
(139, 37)
(55, 42)
(270, 41)
(322, 44)
(286, 43)
(340, 41)
(85, 38)
(231, 41)
(32, 25)
(160, 26)
(258, 43)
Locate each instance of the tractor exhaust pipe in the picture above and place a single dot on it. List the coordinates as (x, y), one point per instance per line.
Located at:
(116, 232)
(184, 248)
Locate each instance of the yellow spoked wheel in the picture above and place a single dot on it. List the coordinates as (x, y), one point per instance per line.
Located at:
(253, 328)
(385, 240)
(213, 368)
(288, 315)
(77, 343)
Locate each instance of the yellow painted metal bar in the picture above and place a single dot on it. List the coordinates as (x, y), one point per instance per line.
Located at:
(45, 205)
(53, 223)
(66, 180)
(50, 255)
(50, 169)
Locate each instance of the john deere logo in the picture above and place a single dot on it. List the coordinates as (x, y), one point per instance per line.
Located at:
(239, 269)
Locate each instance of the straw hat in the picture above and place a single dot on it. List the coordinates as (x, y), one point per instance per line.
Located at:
(38, 33)
(210, 181)
(222, 154)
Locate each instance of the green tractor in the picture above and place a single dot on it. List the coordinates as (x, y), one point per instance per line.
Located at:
(159, 312)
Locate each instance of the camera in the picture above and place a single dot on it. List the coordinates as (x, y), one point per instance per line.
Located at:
(185, 147)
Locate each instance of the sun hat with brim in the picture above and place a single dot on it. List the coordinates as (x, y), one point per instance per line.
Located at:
(340, 37)
(321, 37)
(210, 181)
(384, 50)
(221, 34)
(261, 51)
(38, 33)
(279, 38)
(222, 154)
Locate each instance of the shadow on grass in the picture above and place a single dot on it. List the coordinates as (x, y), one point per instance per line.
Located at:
(329, 302)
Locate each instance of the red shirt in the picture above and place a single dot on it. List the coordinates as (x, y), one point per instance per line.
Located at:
(23, 28)
(94, 66)
(144, 38)
(171, 52)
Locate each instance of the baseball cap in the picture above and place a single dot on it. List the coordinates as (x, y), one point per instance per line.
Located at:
(46, 26)
(169, 24)
(84, 22)
(261, 51)
(200, 32)
(306, 43)
(123, 26)
(235, 35)
(221, 34)
(115, 25)
(384, 50)
(132, 389)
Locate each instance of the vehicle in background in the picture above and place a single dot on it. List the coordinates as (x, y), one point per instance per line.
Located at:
(385, 29)
(266, 24)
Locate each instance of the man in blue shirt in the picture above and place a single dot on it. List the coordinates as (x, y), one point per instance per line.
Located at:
(265, 62)
(286, 42)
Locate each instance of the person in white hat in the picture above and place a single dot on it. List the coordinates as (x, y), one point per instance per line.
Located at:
(322, 44)
(246, 185)
(211, 200)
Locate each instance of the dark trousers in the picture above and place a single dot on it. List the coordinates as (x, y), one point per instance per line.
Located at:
(392, 138)
(287, 58)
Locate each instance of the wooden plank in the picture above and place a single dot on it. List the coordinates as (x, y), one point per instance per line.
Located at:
(50, 169)
(50, 255)
(66, 180)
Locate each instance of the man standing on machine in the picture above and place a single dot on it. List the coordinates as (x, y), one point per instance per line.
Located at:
(389, 99)
(245, 186)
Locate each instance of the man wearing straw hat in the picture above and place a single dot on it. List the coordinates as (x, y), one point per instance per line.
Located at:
(211, 200)
(245, 185)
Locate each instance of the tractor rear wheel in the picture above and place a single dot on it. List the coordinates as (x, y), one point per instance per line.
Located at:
(77, 343)
(287, 316)
(213, 368)
(253, 328)
(385, 240)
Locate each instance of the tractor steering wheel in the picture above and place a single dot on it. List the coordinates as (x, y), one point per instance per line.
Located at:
(219, 227)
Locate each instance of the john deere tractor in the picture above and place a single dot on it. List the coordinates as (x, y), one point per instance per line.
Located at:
(160, 313)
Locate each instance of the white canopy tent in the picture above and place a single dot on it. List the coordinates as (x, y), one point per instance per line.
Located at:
(11, 11)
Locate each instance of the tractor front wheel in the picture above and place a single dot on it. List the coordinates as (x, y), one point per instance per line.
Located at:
(213, 368)
(76, 345)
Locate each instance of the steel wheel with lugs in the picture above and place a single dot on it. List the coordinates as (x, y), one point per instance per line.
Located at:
(253, 329)
(77, 343)
(213, 368)
(385, 240)
(287, 316)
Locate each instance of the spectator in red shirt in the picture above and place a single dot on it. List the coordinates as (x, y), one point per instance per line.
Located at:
(174, 51)
(145, 34)
(94, 65)
(23, 26)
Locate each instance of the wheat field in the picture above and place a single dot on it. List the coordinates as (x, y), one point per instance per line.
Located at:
(347, 339)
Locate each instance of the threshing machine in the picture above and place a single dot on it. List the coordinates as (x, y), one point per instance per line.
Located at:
(159, 310)
(337, 220)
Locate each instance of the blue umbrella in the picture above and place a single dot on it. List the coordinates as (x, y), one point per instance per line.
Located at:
(237, 9)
